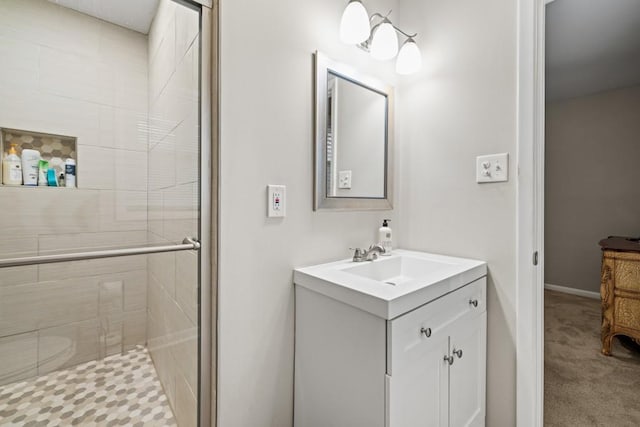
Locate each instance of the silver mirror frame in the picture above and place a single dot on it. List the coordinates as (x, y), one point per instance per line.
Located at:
(320, 201)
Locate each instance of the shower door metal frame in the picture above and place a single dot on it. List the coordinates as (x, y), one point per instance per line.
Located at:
(209, 202)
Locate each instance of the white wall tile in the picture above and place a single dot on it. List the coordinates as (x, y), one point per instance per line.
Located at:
(120, 47)
(164, 15)
(73, 241)
(163, 267)
(131, 89)
(131, 170)
(155, 213)
(19, 355)
(162, 171)
(162, 65)
(67, 345)
(90, 268)
(182, 342)
(41, 210)
(96, 168)
(187, 28)
(50, 25)
(16, 247)
(123, 210)
(187, 284)
(130, 130)
(47, 304)
(134, 329)
(187, 159)
(21, 71)
(186, 406)
(72, 75)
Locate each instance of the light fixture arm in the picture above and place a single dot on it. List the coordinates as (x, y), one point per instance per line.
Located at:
(385, 18)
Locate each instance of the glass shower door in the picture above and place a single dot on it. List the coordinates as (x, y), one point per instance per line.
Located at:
(100, 213)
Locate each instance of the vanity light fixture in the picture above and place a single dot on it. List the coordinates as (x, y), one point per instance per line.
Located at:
(384, 41)
(409, 59)
(381, 39)
(355, 26)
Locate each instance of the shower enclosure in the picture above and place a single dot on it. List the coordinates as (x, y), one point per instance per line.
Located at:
(105, 265)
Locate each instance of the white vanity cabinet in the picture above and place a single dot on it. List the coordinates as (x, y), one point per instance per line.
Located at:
(424, 367)
(436, 362)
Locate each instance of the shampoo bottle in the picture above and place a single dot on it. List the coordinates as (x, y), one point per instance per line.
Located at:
(30, 161)
(385, 237)
(12, 168)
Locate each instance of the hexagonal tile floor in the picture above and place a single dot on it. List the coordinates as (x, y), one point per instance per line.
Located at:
(118, 390)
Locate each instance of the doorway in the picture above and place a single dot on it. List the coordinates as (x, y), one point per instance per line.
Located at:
(533, 228)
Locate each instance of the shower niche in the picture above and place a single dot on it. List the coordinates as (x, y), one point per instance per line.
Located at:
(54, 149)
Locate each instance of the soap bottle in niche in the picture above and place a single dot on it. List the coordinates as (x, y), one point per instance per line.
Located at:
(69, 173)
(12, 168)
(385, 237)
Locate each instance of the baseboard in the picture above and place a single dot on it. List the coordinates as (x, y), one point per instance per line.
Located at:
(572, 291)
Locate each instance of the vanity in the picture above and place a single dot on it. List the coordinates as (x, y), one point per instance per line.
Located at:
(395, 342)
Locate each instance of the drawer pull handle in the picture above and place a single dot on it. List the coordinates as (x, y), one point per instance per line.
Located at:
(458, 353)
(426, 332)
(473, 302)
(448, 359)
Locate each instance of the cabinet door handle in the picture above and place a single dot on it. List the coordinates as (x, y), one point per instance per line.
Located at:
(448, 359)
(426, 332)
(458, 353)
(473, 302)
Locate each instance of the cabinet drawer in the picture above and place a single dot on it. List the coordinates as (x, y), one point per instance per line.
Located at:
(627, 274)
(627, 312)
(409, 335)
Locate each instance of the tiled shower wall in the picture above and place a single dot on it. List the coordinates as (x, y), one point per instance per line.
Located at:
(173, 203)
(65, 73)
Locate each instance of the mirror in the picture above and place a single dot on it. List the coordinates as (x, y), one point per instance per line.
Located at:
(354, 128)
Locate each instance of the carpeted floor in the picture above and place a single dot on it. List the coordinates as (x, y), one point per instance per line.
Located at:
(583, 387)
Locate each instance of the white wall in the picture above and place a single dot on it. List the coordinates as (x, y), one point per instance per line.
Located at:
(66, 73)
(267, 138)
(592, 149)
(463, 104)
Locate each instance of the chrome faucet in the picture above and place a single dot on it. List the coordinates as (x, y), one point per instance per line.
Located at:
(370, 254)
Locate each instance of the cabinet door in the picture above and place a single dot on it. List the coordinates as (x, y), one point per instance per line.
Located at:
(418, 384)
(467, 373)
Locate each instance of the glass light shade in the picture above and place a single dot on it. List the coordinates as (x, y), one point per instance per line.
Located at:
(354, 26)
(409, 59)
(384, 44)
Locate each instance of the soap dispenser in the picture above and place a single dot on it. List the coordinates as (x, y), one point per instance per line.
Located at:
(384, 237)
(12, 168)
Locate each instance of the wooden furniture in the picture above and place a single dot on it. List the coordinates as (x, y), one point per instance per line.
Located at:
(620, 289)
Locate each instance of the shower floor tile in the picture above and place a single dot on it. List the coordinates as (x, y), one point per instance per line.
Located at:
(118, 390)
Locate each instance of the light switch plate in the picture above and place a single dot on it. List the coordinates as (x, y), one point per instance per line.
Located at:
(276, 201)
(344, 179)
(492, 168)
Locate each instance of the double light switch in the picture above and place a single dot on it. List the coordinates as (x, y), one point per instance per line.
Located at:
(492, 168)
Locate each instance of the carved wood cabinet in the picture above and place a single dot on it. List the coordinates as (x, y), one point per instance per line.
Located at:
(620, 290)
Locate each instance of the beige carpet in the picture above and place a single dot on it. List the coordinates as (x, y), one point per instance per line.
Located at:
(583, 387)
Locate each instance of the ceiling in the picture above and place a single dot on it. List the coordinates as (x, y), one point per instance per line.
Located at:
(591, 46)
(133, 14)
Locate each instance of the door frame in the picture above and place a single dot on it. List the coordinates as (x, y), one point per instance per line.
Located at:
(530, 213)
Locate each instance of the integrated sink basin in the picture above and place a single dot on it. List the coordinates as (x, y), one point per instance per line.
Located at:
(391, 285)
(398, 270)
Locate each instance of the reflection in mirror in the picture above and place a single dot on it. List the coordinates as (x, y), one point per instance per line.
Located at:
(356, 139)
(354, 128)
